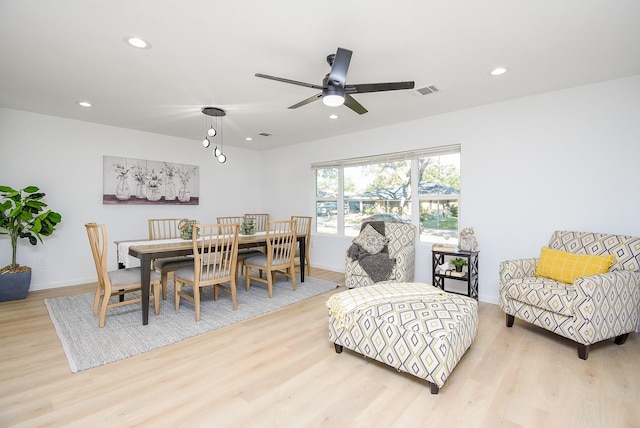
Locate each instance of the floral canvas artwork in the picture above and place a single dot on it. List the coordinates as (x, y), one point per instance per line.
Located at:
(139, 182)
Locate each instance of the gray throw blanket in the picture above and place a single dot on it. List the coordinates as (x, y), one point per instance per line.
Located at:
(377, 266)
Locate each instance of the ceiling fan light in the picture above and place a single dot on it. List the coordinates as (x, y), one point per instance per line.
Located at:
(206, 143)
(333, 99)
(498, 71)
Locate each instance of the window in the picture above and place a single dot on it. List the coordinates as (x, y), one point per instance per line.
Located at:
(376, 191)
(351, 191)
(439, 193)
(327, 200)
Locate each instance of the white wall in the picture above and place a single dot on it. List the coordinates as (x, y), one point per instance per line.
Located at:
(562, 160)
(64, 158)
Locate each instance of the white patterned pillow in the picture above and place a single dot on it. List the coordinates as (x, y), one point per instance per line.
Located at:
(370, 240)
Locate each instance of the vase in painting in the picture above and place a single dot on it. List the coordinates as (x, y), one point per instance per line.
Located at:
(141, 192)
(170, 191)
(153, 194)
(184, 195)
(123, 192)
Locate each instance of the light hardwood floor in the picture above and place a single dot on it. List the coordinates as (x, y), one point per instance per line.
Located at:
(280, 370)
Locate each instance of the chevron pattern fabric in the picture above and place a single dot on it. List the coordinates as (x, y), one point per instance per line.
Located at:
(590, 310)
(626, 249)
(401, 244)
(425, 336)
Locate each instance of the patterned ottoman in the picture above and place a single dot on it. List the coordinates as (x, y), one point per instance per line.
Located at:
(413, 327)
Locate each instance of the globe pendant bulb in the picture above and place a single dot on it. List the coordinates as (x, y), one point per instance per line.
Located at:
(211, 132)
(206, 143)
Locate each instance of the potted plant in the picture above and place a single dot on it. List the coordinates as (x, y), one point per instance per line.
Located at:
(458, 263)
(22, 215)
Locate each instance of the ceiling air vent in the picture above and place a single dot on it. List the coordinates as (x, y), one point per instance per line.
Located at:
(428, 90)
(264, 134)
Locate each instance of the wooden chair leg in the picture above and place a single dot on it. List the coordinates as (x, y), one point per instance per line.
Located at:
(271, 280)
(163, 279)
(176, 293)
(156, 298)
(247, 277)
(103, 310)
(293, 279)
(196, 301)
(96, 302)
(234, 295)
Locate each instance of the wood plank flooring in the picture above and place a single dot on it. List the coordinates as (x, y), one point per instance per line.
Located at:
(279, 370)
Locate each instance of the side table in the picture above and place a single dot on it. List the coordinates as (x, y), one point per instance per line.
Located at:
(439, 256)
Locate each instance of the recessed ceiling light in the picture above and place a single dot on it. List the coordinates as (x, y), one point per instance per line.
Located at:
(333, 116)
(137, 42)
(498, 71)
(85, 103)
(248, 139)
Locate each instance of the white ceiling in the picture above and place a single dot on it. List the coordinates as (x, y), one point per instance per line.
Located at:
(205, 53)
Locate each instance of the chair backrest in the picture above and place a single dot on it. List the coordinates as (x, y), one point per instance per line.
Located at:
(164, 228)
(215, 251)
(260, 221)
(281, 241)
(230, 220)
(400, 235)
(626, 249)
(97, 234)
(303, 226)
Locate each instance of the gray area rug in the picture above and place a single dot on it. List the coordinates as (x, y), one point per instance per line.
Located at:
(87, 346)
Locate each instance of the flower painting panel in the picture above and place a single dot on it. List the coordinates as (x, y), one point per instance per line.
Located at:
(140, 182)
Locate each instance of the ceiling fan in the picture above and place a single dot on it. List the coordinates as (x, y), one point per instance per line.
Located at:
(335, 90)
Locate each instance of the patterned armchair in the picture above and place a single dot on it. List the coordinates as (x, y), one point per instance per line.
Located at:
(591, 309)
(401, 245)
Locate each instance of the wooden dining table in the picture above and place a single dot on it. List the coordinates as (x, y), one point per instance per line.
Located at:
(147, 251)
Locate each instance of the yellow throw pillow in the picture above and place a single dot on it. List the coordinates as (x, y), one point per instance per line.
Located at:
(567, 267)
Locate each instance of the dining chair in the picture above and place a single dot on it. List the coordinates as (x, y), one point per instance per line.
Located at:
(117, 282)
(164, 228)
(214, 263)
(167, 228)
(303, 228)
(281, 241)
(243, 253)
(231, 219)
(260, 221)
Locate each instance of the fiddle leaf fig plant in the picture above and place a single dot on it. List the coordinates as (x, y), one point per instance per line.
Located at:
(24, 215)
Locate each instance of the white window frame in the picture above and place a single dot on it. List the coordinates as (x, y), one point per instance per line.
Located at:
(413, 156)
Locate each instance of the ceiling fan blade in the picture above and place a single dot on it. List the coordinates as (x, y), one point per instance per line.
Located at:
(351, 102)
(293, 82)
(338, 74)
(316, 97)
(378, 87)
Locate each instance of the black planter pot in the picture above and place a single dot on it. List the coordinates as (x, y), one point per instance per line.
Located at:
(458, 268)
(14, 286)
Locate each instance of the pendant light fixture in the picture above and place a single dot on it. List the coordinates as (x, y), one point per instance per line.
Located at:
(217, 114)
